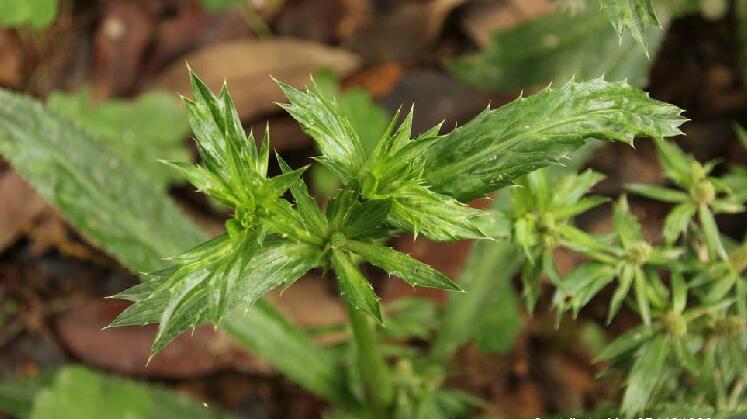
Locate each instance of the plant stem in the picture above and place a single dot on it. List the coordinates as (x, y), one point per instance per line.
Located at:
(373, 369)
(490, 265)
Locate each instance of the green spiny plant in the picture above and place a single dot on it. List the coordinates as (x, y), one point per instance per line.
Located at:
(417, 184)
(688, 354)
(408, 183)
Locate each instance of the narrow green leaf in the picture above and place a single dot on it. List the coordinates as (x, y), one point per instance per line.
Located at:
(640, 286)
(648, 366)
(727, 206)
(679, 292)
(580, 207)
(676, 222)
(525, 235)
(675, 163)
(712, 235)
(340, 204)
(658, 193)
(488, 308)
(581, 241)
(263, 155)
(572, 187)
(686, 358)
(354, 287)
(584, 282)
(625, 224)
(205, 181)
(500, 145)
(741, 133)
(626, 280)
(312, 215)
(367, 118)
(401, 265)
(278, 185)
(628, 341)
(531, 279)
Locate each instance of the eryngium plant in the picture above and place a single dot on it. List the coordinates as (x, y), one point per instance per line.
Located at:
(689, 289)
(417, 184)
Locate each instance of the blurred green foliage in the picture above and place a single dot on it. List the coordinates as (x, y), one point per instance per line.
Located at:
(75, 392)
(141, 131)
(37, 14)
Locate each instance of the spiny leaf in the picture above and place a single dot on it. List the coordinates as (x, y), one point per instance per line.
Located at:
(712, 235)
(439, 217)
(633, 15)
(368, 119)
(397, 159)
(311, 214)
(225, 150)
(401, 265)
(555, 48)
(500, 145)
(354, 287)
(185, 296)
(342, 151)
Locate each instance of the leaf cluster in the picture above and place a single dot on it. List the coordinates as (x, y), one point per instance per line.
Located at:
(689, 291)
(413, 183)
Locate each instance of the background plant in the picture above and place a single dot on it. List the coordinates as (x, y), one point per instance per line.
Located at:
(615, 39)
(687, 291)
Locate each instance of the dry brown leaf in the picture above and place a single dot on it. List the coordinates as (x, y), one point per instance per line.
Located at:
(247, 66)
(11, 52)
(308, 303)
(120, 42)
(481, 19)
(19, 205)
(404, 33)
(126, 349)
